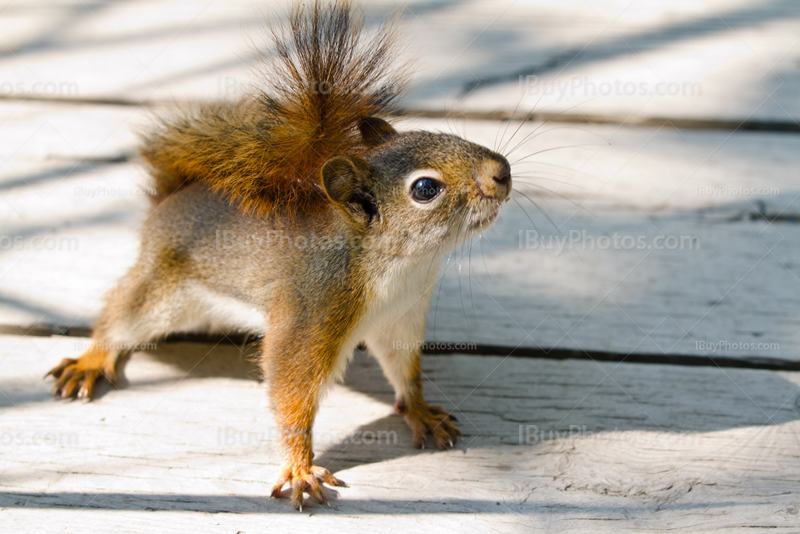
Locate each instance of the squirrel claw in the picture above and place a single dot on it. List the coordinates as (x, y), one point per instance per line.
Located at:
(77, 378)
(306, 481)
(432, 420)
(59, 369)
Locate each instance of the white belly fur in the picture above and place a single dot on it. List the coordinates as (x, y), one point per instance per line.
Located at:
(210, 311)
(402, 296)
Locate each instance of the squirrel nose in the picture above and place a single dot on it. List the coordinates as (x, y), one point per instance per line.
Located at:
(504, 175)
(493, 178)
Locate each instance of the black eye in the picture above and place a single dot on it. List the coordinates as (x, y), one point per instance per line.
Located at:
(425, 190)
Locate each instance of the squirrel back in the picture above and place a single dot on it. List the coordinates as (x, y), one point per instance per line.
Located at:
(266, 151)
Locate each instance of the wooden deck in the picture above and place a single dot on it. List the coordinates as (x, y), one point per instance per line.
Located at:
(563, 446)
(637, 242)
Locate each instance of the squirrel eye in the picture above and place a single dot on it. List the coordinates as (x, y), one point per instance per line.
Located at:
(425, 190)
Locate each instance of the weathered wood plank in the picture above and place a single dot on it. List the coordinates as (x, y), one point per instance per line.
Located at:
(666, 241)
(555, 446)
(722, 280)
(699, 60)
(724, 63)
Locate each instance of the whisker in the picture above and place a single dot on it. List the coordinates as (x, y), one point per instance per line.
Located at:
(550, 120)
(534, 134)
(449, 120)
(567, 199)
(573, 171)
(538, 189)
(460, 289)
(533, 108)
(469, 283)
(441, 280)
(542, 176)
(587, 145)
(526, 213)
(540, 210)
(483, 254)
(438, 294)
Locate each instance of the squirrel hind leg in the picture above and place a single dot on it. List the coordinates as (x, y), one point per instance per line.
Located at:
(134, 314)
(131, 319)
(147, 307)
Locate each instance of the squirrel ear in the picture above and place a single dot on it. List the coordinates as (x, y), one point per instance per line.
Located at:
(346, 180)
(375, 131)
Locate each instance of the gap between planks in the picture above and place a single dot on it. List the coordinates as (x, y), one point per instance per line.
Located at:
(789, 126)
(466, 348)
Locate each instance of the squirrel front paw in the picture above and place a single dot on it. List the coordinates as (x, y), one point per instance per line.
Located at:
(307, 480)
(424, 419)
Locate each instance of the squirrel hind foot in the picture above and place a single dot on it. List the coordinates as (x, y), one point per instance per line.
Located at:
(78, 377)
(430, 419)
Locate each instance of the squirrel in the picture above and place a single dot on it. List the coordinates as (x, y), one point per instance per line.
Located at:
(300, 214)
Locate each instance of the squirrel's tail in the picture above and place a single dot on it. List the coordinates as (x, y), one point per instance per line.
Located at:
(326, 75)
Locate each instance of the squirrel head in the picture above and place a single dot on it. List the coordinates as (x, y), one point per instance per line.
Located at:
(416, 192)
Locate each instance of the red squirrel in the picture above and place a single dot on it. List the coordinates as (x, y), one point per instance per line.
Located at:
(299, 213)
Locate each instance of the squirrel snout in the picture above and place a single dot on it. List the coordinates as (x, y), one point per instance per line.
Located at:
(503, 177)
(494, 179)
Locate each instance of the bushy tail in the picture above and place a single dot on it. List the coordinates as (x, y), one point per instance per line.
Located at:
(327, 74)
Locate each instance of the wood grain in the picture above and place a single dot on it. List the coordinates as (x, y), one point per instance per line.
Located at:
(552, 446)
(711, 60)
(580, 269)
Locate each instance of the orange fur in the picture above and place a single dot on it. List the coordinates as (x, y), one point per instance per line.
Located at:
(266, 150)
(78, 377)
(326, 88)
